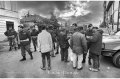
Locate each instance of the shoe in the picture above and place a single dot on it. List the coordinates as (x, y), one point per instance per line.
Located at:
(15, 48)
(49, 68)
(23, 59)
(80, 68)
(31, 56)
(10, 49)
(94, 70)
(43, 68)
(74, 67)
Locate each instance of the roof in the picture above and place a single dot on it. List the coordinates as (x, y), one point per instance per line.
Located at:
(31, 18)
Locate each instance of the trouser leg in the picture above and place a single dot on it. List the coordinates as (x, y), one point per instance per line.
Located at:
(34, 40)
(23, 51)
(95, 61)
(48, 59)
(15, 43)
(80, 58)
(74, 60)
(62, 54)
(43, 60)
(52, 53)
(66, 55)
(84, 57)
(27, 48)
(57, 48)
(90, 59)
(10, 44)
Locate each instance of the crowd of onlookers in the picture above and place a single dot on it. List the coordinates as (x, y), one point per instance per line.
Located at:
(47, 39)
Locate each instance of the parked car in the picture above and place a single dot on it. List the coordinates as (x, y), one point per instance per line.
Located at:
(111, 47)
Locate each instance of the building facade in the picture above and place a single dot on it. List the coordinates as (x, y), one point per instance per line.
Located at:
(111, 15)
(9, 16)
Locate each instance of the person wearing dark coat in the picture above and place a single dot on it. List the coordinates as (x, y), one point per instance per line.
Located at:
(64, 45)
(34, 35)
(95, 48)
(11, 34)
(25, 40)
(52, 32)
(89, 32)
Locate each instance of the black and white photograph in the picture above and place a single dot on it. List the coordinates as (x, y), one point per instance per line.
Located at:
(59, 39)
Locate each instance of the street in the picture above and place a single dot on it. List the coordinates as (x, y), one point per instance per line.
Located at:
(11, 67)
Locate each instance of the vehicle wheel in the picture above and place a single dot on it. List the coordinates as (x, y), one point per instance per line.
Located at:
(116, 59)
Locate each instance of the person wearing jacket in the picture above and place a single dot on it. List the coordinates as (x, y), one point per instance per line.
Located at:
(78, 45)
(95, 48)
(25, 40)
(34, 34)
(89, 32)
(45, 46)
(51, 31)
(11, 34)
(64, 44)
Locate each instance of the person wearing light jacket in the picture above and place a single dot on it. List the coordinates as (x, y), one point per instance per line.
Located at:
(45, 47)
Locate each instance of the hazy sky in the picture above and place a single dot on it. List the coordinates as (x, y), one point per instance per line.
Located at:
(72, 11)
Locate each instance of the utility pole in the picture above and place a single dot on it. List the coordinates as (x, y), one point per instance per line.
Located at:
(118, 17)
(113, 18)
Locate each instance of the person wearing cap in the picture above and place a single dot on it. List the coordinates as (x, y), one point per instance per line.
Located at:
(64, 45)
(45, 46)
(89, 32)
(78, 45)
(34, 34)
(25, 40)
(11, 34)
(95, 48)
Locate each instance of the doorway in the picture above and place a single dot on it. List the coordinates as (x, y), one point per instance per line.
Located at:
(8, 24)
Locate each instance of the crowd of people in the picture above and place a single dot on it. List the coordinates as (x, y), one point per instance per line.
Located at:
(47, 40)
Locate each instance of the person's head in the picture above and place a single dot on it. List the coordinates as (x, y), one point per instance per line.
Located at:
(90, 26)
(10, 28)
(95, 29)
(20, 27)
(80, 29)
(74, 24)
(43, 27)
(33, 27)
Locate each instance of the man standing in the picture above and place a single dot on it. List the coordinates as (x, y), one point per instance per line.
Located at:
(78, 45)
(51, 31)
(45, 47)
(89, 32)
(25, 39)
(11, 34)
(34, 35)
(95, 48)
(64, 45)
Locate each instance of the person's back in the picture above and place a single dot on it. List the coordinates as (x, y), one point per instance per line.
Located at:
(79, 46)
(63, 41)
(45, 47)
(45, 41)
(78, 41)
